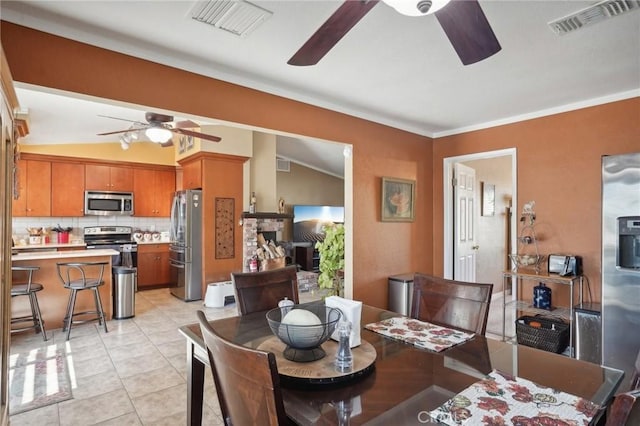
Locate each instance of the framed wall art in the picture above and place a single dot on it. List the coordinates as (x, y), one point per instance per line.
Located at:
(398, 198)
(488, 205)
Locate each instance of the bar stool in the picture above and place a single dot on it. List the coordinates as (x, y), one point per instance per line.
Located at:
(74, 277)
(28, 288)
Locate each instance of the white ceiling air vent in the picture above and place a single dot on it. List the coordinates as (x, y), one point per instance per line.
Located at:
(283, 165)
(238, 17)
(593, 14)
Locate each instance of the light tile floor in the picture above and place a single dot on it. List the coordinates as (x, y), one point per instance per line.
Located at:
(136, 373)
(133, 375)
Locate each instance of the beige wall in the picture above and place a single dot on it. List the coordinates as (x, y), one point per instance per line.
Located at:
(492, 230)
(263, 172)
(302, 185)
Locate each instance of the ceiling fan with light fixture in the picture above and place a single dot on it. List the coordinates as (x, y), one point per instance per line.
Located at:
(463, 21)
(159, 128)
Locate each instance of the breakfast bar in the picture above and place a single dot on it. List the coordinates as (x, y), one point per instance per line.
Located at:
(54, 297)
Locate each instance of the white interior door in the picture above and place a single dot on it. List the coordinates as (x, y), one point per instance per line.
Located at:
(465, 246)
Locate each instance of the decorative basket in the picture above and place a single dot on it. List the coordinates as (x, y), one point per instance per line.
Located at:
(270, 264)
(552, 335)
(527, 261)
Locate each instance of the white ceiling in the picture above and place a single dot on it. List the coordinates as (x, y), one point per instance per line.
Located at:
(390, 68)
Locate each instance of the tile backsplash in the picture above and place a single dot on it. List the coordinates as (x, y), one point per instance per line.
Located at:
(20, 224)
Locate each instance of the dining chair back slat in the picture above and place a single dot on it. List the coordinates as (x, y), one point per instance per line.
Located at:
(246, 380)
(261, 291)
(457, 304)
(625, 409)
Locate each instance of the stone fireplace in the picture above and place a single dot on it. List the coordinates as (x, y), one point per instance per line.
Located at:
(270, 225)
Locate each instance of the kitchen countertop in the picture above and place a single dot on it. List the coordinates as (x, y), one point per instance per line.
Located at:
(154, 242)
(42, 255)
(48, 246)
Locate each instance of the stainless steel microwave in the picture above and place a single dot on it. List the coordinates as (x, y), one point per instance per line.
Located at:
(108, 203)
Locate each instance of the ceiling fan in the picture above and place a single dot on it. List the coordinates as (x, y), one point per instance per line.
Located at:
(463, 21)
(159, 128)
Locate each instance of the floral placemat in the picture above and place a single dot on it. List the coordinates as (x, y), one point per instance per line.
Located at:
(502, 399)
(420, 333)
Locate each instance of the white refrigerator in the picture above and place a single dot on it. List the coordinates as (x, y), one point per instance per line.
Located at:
(185, 259)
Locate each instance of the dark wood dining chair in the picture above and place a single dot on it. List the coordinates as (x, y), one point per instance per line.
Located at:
(261, 291)
(625, 409)
(246, 379)
(457, 304)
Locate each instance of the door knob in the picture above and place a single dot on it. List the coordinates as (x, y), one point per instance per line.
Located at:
(476, 247)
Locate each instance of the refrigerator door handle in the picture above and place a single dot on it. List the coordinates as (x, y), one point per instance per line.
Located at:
(173, 219)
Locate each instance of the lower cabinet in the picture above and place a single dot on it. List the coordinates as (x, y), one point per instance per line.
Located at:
(153, 266)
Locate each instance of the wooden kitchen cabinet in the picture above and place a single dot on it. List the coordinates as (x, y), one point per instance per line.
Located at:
(156, 203)
(108, 178)
(153, 266)
(67, 189)
(34, 184)
(192, 175)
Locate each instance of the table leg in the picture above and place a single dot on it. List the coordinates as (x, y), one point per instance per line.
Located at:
(195, 387)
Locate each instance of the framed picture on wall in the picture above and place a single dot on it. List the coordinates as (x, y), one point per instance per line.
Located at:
(488, 205)
(398, 198)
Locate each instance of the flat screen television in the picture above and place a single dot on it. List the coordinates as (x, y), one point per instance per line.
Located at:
(309, 220)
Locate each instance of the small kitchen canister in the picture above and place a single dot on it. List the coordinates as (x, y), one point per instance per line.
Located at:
(542, 297)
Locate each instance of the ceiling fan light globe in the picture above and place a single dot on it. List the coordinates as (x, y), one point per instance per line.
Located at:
(416, 7)
(158, 134)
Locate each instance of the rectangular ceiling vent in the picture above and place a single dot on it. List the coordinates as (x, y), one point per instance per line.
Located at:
(238, 17)
(283, 165)
(593, 14)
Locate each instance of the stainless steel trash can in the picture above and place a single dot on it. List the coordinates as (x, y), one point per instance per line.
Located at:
(401, 293)
(124, 292)
(588, 337)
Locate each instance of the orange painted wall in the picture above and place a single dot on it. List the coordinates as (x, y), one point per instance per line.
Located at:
(559, 160)
(380, 249)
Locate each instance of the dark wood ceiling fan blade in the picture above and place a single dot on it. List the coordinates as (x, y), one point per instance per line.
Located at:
(113, 133)
(468, 30)
(185, 124)
(330, 33)
(197, 134)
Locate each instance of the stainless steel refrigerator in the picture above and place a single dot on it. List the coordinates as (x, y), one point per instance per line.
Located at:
(621, 262)
(185, 253)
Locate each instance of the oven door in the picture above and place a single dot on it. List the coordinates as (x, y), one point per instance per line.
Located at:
(178, 278)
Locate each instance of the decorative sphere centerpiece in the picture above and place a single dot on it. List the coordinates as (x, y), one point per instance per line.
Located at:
(303, 328)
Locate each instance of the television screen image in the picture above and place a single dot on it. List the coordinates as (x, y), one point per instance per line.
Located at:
(309, 220)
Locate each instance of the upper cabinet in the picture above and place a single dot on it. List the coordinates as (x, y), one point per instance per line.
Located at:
(155, 203)
(34, 184)
(67, 189)
(192, 174)
(108, 178)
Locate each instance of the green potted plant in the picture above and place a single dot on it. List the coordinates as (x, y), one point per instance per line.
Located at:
(331, 251)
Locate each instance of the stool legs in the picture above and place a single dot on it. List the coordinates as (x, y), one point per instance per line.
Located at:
(71, 305)
(37, 315)
(102, 320)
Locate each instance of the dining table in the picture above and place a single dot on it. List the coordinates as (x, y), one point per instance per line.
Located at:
(404, 382)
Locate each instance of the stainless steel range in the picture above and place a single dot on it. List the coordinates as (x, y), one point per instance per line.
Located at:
(119, 238)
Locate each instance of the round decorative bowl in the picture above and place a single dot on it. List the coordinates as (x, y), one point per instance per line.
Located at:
(303, 328)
